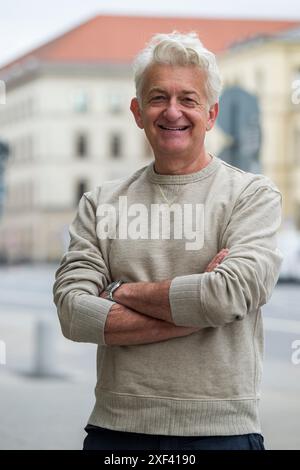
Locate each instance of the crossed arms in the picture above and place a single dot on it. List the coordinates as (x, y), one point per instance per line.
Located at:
(143, 313)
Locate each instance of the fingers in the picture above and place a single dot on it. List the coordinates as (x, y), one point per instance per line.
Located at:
(217, 260)
(221, 255)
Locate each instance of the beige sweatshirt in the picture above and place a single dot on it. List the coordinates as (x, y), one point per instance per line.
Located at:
(206, 383)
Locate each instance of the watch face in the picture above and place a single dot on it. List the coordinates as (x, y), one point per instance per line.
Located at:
(114, 284)
(111, 285)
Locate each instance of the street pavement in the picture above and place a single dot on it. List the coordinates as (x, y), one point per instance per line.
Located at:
(50, 411)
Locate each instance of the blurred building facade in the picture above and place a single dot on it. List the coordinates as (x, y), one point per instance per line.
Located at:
(268, 68)
(68, 135)
(68, 125)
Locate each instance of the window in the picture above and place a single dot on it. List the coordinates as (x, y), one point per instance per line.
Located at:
(2, 92)
(30, 194)
(259, 81)
(115, 103)
(30, 147)
(80, 101)
(295, 92)
(11, 151)
(81, 188)
(81, 145)
(30, 107)
(22, 147)
(27, 148)
(115, 145)
(297, 147)
(4, 152)
(297, 214)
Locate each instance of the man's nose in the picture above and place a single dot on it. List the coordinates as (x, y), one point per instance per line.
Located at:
(172, 111)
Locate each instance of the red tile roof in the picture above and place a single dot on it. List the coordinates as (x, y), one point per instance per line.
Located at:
(118, 38)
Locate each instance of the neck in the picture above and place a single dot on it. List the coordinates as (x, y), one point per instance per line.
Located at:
(173, 166)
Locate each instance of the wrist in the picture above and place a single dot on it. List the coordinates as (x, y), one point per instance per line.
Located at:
(112, 289)
(120, 294)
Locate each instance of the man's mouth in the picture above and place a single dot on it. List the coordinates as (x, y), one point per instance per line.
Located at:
(178, 128)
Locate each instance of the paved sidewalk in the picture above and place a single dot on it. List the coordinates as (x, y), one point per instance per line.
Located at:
(280, 418)
(42, 413)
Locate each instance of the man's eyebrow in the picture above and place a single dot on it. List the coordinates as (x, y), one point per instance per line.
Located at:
(156, 90)
(189, 92)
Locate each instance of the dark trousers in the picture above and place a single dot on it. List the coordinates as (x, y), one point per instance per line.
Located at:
(105, 439)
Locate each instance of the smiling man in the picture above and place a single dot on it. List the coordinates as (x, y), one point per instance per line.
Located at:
(178, 328)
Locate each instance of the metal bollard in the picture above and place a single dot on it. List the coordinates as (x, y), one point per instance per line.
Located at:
(45, 363)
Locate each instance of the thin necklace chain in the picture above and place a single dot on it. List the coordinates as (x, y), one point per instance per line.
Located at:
(165, 197)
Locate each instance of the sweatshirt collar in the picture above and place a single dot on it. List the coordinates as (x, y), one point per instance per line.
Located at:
(183, 179)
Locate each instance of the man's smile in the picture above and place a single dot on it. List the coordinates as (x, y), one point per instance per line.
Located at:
(177, 128)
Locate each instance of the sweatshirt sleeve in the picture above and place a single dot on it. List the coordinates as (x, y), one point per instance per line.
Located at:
(244, 281)
(82, 275)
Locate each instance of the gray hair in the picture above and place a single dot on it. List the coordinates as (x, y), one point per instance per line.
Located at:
(179, 50)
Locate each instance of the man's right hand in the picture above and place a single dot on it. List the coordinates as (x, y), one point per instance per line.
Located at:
(216, 260)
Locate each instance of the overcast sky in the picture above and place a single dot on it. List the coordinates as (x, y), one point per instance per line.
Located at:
(25, 24)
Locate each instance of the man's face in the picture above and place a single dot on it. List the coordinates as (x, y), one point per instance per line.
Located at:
(174, 111)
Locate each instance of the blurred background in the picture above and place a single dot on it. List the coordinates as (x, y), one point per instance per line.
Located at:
(65, 127)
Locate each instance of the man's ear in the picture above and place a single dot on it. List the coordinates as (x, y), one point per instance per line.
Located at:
(212, 116)
(135, 109)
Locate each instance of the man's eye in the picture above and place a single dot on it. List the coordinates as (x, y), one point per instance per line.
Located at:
(158, 98)
(189, 101)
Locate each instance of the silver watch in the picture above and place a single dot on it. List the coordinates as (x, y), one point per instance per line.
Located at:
(110, 289)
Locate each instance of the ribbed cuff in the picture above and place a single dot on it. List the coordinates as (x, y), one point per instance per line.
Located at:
(89, 317)
(186, 304)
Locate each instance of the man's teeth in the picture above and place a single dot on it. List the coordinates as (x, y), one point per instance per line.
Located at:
(173, 128)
